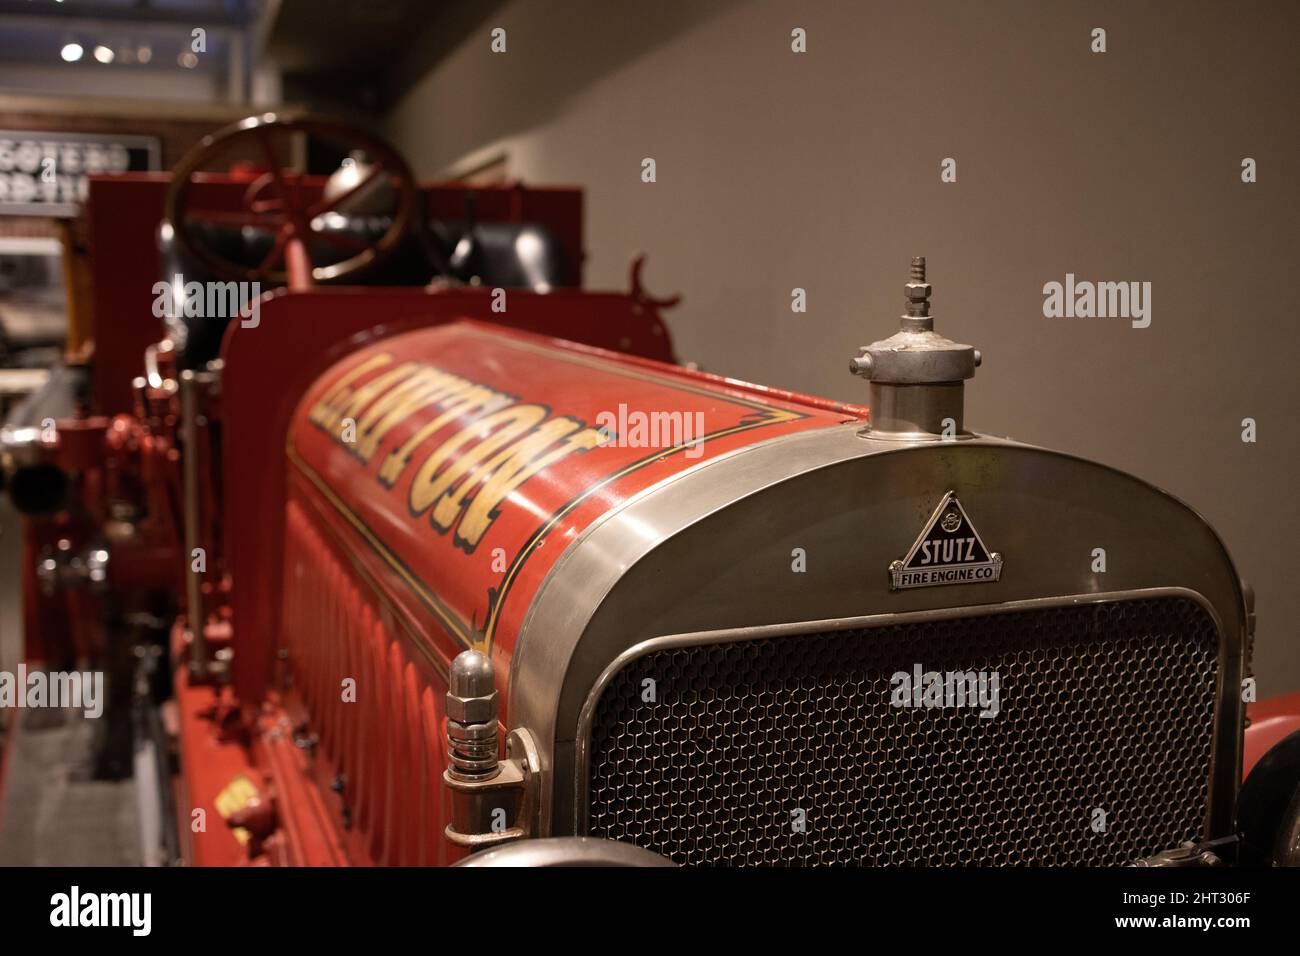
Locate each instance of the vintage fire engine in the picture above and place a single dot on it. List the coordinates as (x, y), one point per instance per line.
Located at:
(469, 570)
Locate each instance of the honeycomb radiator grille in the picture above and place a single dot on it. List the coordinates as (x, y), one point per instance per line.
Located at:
(1103, 707)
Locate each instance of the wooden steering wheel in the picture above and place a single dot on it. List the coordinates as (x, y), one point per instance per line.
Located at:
(275, 202)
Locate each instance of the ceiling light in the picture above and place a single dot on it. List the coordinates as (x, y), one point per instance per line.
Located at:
(103, 54)
(188, 60)
(71, 52)
(144, 54)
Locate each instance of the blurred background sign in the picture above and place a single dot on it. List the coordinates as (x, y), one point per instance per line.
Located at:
(45, 174)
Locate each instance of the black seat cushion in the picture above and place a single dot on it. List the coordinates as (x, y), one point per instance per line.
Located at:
(508, 255)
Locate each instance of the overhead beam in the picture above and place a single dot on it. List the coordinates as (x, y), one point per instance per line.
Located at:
(77, 15)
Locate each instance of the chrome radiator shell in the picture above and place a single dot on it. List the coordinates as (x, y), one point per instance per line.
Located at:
(710, 550)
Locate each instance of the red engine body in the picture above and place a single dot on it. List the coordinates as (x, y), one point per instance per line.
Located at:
(426, 528)
(395, 474)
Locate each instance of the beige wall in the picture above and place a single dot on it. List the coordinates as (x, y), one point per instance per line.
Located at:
(821, 170)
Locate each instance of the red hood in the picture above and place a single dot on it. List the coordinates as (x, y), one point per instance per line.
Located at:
(463, 459)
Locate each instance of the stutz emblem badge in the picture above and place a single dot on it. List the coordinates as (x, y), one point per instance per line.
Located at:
(948, 551)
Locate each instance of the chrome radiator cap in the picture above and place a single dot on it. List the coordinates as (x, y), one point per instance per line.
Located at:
(916, 374)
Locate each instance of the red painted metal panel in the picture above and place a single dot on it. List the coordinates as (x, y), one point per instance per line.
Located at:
(123, 214)
(302, 334)
(463, 568)
(1270, 721)
(380, 745)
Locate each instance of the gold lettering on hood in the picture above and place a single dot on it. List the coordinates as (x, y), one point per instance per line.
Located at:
(461, 481)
